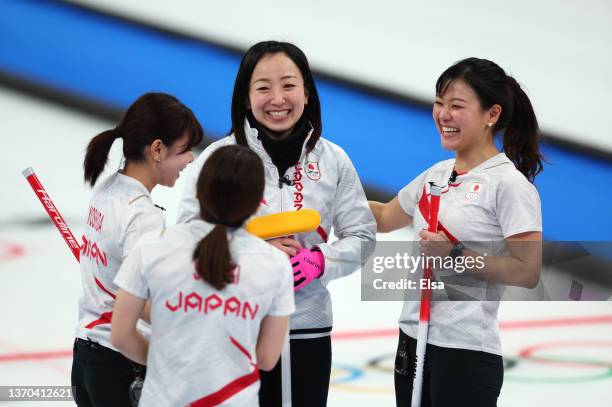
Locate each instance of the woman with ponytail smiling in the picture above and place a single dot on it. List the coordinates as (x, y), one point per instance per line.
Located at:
(220, 297)
(157, 132)
(488, 200)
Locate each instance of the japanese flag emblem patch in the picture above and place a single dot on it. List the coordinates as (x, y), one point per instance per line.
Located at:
(312, 171)
(475, 189)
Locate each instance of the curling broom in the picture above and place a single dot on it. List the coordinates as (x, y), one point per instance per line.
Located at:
(417, 384)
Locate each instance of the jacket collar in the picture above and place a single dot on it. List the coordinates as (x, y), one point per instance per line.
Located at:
(132, 183)
(252, 136)
(495, 161)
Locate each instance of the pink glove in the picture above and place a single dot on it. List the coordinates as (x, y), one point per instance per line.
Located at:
(307, 265)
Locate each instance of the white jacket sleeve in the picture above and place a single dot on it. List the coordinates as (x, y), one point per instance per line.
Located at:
(353, 225)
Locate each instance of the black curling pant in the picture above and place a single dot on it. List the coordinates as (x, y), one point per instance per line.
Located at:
(451, 377)
(101, 377)
(310, 372)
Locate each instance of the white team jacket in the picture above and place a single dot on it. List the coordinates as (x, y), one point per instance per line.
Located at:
(120, 212)
(204, 341)
(325, 180)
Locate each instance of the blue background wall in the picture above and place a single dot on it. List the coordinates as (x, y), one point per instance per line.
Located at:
(112, 61)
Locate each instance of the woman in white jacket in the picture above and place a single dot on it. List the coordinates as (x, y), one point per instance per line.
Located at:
(220, 297)
(489, 217)
(157, 132)
(276, 113)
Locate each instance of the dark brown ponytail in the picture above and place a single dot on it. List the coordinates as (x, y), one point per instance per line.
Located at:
(213, 258)
(522, 134)
(517, 119)
(152, 116)
(230, 188)
(96, 155)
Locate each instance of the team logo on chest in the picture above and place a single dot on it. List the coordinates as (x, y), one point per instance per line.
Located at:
(312, 171)
(475, 189)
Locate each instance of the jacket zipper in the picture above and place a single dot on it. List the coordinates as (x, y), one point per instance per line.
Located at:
(280, 188)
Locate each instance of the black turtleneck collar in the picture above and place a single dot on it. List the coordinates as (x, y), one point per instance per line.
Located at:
(286, 152)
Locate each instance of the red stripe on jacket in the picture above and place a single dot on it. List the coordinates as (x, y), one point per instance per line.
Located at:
(232, 387)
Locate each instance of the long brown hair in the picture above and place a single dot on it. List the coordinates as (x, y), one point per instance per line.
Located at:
(230, 188)
(152, 116)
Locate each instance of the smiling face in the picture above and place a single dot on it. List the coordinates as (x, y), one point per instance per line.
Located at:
(461, 121)
(172, 160)
(277, 96)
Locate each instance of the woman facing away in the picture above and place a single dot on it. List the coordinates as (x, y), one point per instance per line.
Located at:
(487, 198)
(220, 297)
(277, 114)
(158, 132)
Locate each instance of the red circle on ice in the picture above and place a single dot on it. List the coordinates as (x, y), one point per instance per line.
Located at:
(10, 251)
